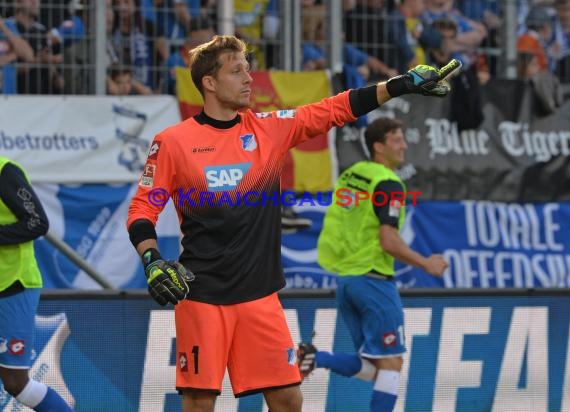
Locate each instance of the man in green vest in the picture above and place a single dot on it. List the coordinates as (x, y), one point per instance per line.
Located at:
(22, 219)
(359, 241)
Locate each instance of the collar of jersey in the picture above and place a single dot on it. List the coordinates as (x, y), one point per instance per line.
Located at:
(203, 118)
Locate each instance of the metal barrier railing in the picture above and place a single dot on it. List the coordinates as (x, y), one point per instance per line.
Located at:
(76, 259)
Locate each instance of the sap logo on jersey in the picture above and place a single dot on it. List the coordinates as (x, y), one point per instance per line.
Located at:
(225, 177)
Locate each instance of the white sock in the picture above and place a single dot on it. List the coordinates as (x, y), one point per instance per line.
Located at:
(387, 381)
(32, 394)
(367, 371)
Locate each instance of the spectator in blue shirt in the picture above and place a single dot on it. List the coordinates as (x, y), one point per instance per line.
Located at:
(410, 36)
(470, 34)
(313, 55)
(12, 47)
(200, 31)
(563, 13)
(174, 16)
(137, 43)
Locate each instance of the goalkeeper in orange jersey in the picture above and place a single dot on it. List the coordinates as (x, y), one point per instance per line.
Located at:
(224, 284)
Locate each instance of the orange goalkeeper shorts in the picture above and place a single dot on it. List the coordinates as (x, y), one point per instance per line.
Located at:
(251, 339)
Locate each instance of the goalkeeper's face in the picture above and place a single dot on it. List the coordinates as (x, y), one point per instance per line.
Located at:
(232, 83)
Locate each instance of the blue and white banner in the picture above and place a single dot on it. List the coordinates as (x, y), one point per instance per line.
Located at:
(495, 245)
(83, 139)
(91, 219)
(299, 253)
(465, 353)
(487, 245)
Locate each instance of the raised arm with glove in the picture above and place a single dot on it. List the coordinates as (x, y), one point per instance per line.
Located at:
(424, 79)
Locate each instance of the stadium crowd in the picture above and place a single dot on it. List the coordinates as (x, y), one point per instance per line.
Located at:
(47, 46)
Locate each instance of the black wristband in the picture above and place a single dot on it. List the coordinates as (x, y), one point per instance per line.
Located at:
(363, 100)
(141, 229)
(150, 255)
(396, 86)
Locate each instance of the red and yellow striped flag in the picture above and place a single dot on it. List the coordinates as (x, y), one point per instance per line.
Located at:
(308, 166)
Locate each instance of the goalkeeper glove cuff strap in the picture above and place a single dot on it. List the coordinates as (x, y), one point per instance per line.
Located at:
(149, 256)
(396, 86)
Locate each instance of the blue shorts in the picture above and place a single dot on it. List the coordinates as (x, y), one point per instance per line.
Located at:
(373, 313)
(17, 328)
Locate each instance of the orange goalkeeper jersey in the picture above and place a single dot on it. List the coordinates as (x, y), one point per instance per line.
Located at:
(224, 181)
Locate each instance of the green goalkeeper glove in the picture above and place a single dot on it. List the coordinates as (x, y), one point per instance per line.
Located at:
(167, 280)
(424, 79)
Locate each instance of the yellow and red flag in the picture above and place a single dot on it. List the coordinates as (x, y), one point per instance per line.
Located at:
(308, 166)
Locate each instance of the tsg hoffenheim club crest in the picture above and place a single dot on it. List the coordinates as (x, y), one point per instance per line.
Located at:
(248, 142)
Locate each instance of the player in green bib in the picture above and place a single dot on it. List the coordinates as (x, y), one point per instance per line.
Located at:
(359, 241)
(22, 219)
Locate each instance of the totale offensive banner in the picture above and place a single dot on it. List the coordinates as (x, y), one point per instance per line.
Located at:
(492, 245)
